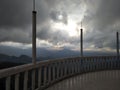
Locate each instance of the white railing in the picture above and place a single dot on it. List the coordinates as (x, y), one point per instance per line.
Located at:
(46, 73)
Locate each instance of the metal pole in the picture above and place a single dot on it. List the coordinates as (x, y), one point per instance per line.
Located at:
(81, 42)
(117, 37)
(34, 34)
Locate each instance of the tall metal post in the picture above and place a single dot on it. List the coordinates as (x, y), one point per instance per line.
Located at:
(34, 34)
(81, 40)
(117, 37)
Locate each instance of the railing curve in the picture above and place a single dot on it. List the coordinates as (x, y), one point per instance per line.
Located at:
(45, 73)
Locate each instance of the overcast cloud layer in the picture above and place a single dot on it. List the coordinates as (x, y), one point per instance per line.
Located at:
(58, 23)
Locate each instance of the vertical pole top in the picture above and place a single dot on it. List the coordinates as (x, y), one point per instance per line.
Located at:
(81, 25)
(117, 32)
(33, 5)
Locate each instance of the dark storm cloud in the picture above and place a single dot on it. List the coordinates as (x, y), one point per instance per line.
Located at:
(15, 13)
(108, 13)
(100, 17)
(104, 15)
(15, 36)
(16, 19)
(16, 16)
(100, 21)
(18, 13)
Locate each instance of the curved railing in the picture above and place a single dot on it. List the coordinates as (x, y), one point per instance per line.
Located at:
(45, 73)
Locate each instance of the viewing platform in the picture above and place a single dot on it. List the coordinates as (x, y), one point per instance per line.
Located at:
(101, 80)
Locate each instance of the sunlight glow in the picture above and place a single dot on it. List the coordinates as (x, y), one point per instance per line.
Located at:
(71, 27)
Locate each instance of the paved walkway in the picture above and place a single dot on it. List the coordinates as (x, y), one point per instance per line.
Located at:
(103, 80)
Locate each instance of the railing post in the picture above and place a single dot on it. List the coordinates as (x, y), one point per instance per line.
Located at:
(58, 70)
(61, 70)
(25, 80)
(49, 73)
(8, 80)
(77, 66)
(45, 75)
(99, 63)
(65, 68)
(69, 67)
(17, 82)
(33, 79)
(73, 67)
(53, 72)
(90, 64)
(39, 77)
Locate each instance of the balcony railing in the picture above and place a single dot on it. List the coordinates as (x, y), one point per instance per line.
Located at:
(46, 73)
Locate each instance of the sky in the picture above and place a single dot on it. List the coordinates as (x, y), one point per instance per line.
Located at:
(59, 24)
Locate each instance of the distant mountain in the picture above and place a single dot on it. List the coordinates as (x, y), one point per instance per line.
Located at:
(45, 54)
(9, 64)
(14, 59)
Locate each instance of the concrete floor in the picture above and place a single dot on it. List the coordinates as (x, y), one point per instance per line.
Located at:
(102, 80)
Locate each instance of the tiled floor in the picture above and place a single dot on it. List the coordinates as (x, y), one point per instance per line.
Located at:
(103, 80)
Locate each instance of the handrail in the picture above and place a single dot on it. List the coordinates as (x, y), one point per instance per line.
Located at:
(25, 67)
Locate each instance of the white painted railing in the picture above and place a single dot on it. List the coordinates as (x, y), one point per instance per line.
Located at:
(46, 73)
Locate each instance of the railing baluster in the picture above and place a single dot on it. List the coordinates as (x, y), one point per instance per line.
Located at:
(62, 69)
(54, 71)
(69, 68)
(49, 72)
(45, 75)
(79, 66)
(17, 81)
(39, 78)
(33, 79)
(58, 69)
(8, 80)
(75, 66)
(89, 64)
(74, 62)
(26, 80)
(65, 68)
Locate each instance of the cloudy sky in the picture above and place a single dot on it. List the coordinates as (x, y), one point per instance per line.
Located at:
(58, 24)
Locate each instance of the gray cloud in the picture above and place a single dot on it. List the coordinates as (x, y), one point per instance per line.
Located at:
(59, 16)
(52, 36)
(101, 23)
(15, 36)
(107, 14)
(16, 19)
(101, 20)
(15, 13)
